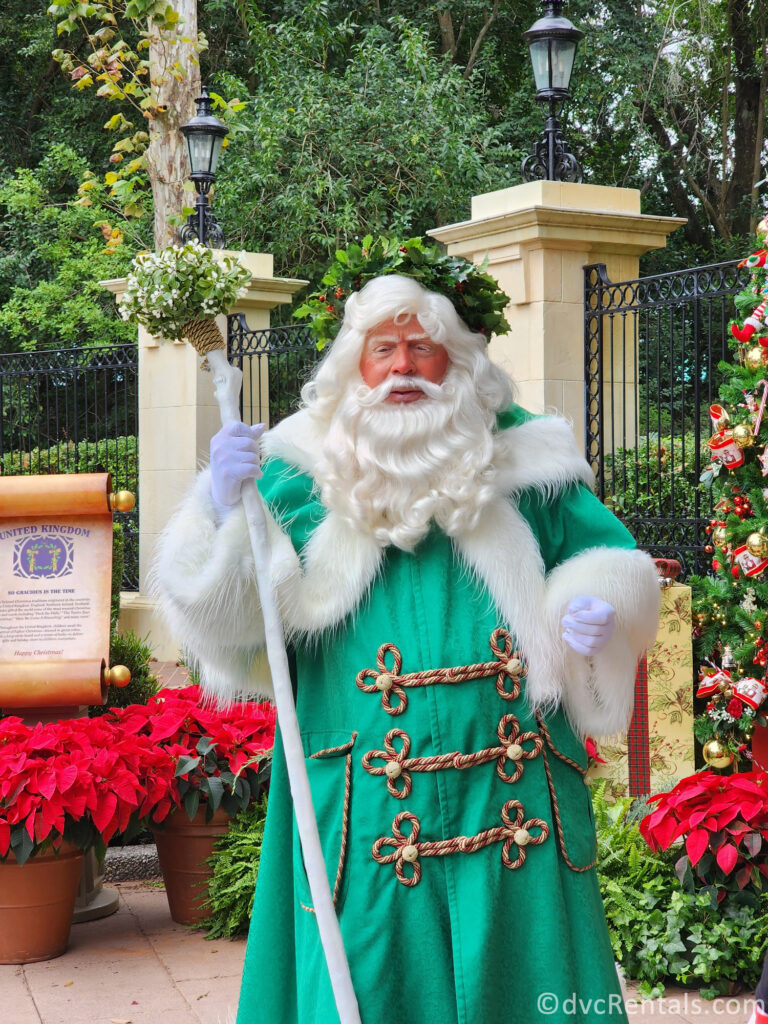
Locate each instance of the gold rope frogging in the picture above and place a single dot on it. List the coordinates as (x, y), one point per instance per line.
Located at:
(508, 665)
(553, 795)
(346, 749)
(398, 765)
(408, 848)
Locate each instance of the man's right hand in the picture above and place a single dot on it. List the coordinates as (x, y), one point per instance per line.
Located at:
(234, 458)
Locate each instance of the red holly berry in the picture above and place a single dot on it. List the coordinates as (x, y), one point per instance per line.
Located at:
(321, 298)
(339, 293)
(330, 308)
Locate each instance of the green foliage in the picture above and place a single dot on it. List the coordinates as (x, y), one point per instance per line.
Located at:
(352, 132)
(662, 933)
(645, 478)
(166, 290)
(136, 654)
(53, 252)
(235, 865)
(116, 455)
(475, 295)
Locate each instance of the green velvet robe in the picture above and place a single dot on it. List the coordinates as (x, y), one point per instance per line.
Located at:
(475, 941)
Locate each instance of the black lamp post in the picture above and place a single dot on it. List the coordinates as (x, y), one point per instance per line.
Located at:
(552, 42)
(204, 134)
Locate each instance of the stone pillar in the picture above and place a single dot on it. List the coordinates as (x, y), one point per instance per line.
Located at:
(178, 415)
(537, 238)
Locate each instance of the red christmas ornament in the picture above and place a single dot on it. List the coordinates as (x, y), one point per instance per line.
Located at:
(734, 572)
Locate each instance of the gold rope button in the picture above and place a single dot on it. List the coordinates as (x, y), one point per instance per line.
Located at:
(410, 853)
(522, 837)
(515, 667)
(393, 770)
(514, 751)
(384, 681)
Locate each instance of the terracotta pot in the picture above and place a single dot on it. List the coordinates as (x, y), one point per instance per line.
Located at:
(36, 904)
(183, 846)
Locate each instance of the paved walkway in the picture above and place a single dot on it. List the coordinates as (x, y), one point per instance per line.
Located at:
(138, 967)
(135, 967)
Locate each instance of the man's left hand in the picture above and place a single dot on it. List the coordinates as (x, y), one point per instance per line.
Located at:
(588, 624)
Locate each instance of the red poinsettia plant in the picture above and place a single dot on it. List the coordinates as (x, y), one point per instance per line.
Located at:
(79, 780)
(221, 756)
(723, 821)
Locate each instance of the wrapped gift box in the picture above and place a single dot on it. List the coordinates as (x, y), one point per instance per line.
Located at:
(658, 749)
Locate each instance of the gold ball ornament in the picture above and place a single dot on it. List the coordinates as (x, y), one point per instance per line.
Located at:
(742, 434)
(757, 545)
(754, 358)
(716, 755)
(719, 535)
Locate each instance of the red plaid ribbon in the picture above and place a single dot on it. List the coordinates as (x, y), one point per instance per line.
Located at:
(638, 750)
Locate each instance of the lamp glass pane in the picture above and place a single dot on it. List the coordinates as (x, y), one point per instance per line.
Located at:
(540, 60)
(200, 152)
(216, 152)
(563, 55)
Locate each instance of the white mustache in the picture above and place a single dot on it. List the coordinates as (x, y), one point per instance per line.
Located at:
(368, 397)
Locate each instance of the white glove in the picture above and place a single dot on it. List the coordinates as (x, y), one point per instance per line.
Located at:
(588, 624)
(234, 458)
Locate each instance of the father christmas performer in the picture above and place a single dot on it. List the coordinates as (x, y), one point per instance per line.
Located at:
(463, 613)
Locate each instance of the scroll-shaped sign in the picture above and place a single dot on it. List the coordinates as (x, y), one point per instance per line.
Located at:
(55, 588)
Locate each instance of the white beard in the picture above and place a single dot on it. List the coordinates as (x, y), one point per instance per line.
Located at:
(391, 469)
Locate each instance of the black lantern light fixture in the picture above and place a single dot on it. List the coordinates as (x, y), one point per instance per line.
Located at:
(552, 42)
(204, 134)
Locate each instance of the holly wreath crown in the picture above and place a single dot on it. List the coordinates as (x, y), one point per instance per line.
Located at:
(476, 296)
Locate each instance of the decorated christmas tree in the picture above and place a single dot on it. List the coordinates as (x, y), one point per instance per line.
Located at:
(730, 611)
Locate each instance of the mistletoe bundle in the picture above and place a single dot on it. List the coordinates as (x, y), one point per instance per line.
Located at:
(178, 292)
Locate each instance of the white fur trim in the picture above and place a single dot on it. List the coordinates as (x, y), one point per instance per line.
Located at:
(598, 691)
(205, 584)
(542, 454)
(205, 581)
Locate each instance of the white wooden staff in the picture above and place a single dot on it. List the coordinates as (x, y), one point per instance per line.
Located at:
(206, 339)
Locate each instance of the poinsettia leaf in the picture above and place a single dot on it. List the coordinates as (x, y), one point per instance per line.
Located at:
(743, 876)
(22, 843)
(696, 843)
(192, 802)
(726, 857)
(185, 765)
(214, 791)
(752, 843)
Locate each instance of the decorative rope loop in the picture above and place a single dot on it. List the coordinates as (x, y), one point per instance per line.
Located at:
(509, 665)
(398, 765)
(408, 849)
(553, 795)
(203, 335)
(512, 747)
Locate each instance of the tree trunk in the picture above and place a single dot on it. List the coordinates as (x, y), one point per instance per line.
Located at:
(746, 98)
(167, 162)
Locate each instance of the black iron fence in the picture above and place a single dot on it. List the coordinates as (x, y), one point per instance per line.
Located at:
(275, 363)
(75, 411)
(652, 347)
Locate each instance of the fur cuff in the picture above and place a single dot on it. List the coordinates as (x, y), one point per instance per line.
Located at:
(205, 584)
(598, 692)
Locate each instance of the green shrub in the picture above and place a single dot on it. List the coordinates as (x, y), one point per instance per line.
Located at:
(130, 650)
(118, 456)
(235, 866)
(656, 478)
(662, 932)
